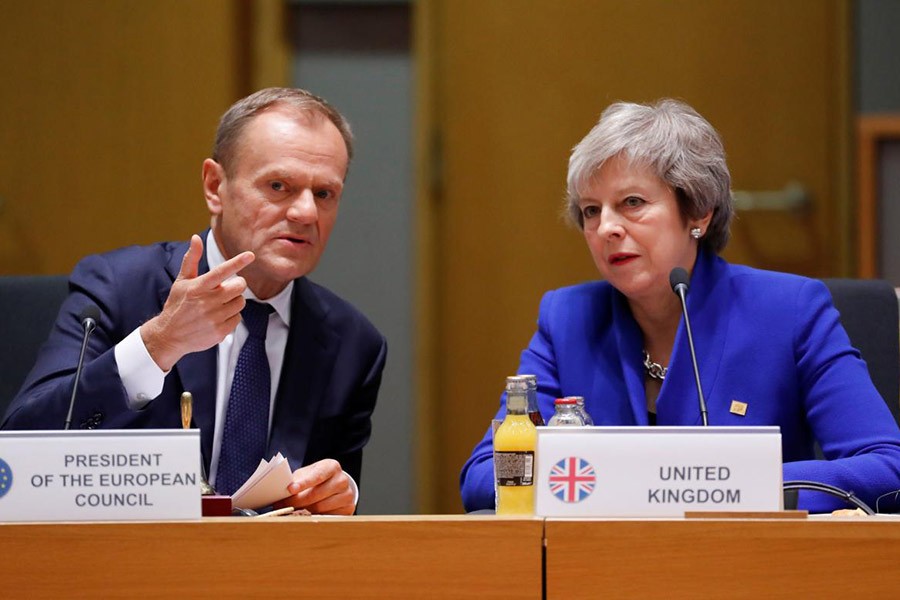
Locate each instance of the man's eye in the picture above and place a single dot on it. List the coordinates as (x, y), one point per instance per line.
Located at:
(277, 186)
(324, 194)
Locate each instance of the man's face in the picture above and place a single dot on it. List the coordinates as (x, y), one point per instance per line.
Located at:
(280, 199)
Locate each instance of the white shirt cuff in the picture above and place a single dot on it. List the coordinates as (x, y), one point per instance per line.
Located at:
(141, 376)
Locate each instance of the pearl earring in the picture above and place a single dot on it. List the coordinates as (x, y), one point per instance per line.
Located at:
(696, 232)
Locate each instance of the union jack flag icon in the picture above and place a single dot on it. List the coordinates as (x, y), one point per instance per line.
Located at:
(572, 479)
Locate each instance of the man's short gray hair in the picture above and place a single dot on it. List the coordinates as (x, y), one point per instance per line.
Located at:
(671, 138)
(235, 119)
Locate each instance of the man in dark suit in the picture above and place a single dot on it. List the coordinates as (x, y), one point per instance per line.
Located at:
(300, 377)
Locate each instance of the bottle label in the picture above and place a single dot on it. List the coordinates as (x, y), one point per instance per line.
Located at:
(514, 468)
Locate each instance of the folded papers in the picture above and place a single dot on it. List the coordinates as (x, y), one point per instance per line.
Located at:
(268, 484)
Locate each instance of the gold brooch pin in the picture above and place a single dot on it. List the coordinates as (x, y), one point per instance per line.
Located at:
(738, 408)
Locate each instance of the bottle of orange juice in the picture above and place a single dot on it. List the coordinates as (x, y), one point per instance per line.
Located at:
(514, 446)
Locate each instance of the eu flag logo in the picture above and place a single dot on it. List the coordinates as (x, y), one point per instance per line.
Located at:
(5, 478)
(572, 479)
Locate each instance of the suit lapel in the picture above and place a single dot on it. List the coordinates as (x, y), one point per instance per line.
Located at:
(308, 362)
(197, 371)
(707, 303)
(630, 344)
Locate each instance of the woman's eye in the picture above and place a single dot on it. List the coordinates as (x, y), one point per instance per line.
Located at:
(633, 201)
(590, 211)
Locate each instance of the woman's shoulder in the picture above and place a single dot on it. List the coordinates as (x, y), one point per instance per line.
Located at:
(577, 303)
(774, 287)
(588, 291)
(751, 277)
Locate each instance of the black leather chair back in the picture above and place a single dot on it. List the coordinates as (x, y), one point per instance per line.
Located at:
(28, 308)
(869, 313)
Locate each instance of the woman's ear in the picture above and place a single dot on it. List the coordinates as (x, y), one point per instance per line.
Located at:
(702, 223)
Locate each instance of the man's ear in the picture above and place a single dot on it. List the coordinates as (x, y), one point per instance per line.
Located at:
(213, 180)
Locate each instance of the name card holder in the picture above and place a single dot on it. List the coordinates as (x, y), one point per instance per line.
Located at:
(99, 475)
(657, 471)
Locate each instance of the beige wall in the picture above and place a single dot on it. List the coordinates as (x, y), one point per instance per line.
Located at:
(107, 109)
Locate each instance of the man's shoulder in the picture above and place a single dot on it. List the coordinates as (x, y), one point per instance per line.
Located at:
(339, 313)
(132, 268)
(156, 254)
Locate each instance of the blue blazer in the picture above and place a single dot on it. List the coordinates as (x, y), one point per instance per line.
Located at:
(329, 381)
(771, 340)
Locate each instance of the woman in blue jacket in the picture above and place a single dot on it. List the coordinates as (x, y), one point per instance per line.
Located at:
(650, 190)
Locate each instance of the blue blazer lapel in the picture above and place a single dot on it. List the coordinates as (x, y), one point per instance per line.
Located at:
(308, 362)
(707, 303)
(630, 357)
(197, 371)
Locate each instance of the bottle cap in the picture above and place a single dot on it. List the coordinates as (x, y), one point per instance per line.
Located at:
(516, 383)
(565, 401)
(532, 380)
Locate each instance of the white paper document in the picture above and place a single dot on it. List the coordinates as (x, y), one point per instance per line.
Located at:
(268, 484)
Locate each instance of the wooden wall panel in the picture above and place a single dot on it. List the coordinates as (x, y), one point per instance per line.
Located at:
(107, 110)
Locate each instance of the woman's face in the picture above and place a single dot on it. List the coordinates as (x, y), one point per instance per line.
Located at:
(634, 229)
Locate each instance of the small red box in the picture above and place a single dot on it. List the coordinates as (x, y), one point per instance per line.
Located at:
(216, 506)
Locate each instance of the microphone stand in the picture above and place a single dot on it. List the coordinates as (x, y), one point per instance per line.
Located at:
(89, 318)
(678, 278)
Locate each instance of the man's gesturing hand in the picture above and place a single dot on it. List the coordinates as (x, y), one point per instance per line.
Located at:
(200, 310)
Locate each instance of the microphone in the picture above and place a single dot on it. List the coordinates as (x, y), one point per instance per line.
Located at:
(679, 279)
(89, 316)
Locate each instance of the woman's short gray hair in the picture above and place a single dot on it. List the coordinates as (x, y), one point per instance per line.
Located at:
(671, 138)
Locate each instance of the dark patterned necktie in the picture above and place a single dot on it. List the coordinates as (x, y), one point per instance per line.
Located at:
(247, 419)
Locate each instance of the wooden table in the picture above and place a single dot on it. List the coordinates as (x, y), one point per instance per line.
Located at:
(454, 557)
(703, 558)
(288, 557)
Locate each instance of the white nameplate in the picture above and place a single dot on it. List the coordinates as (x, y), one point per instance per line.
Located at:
(657, 471)
(99, 475)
